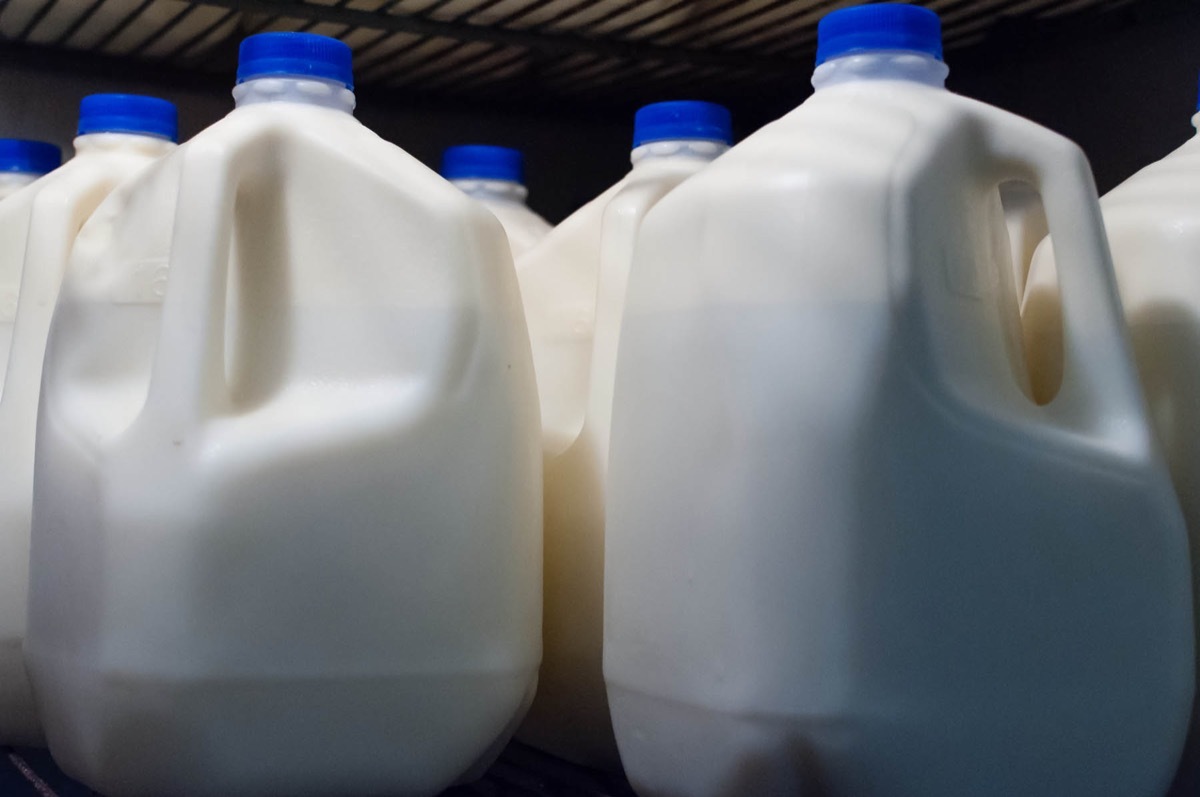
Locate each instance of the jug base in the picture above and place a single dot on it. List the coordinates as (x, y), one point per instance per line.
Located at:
(693, 750)
(409, 735)
(19, 726)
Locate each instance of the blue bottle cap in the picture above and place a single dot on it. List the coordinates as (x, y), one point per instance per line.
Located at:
(28, 157)
(483, 162)
(682, 120)
(879, 27)
(295, 55)
(128, 113)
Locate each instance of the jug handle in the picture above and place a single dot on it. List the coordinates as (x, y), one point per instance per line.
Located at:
(188, 379)
(1100, 382)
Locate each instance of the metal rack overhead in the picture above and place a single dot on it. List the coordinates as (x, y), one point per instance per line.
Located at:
(515, 50)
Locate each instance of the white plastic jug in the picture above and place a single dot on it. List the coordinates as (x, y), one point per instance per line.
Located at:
(119, 136)
(1153, 223)
(287, 522)
(847, 554)
(573, 286)
(495, 176)
(150, 28)
(22, 161)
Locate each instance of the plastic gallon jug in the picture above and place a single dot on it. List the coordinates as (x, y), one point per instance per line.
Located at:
(1153, 223)
(119, 136)
(496, 177)
(573, 285)
(847, 554)
(287, 520)
(23, 161)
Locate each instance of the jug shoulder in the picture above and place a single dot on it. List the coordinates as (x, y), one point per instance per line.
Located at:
(1168, 189)
(884, 131)
(21, 203)
(56, 192)
(79, 178)
(571, 247)
(298, 137)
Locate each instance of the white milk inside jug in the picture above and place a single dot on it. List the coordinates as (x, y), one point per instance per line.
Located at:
(573, 285)
(495, 176)
(847, 554)
(1025, 219)
(1153, 224)
(22, 161)
(149, 28)
(119, 136)
(287, 522)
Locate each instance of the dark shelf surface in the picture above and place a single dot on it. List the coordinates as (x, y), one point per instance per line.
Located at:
(520, 771)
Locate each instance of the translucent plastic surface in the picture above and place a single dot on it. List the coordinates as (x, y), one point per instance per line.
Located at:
(1153, 223)
(847, 554)
(573, 286)
(37, 230)
(288, 494)
(506, 201)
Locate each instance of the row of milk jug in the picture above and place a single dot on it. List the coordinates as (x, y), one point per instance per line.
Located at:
(819, 515)
(825, 511)
(282, 531)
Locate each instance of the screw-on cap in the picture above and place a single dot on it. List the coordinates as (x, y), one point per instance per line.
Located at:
(483, 162)
(28, 157)
(879, 27)
(128, 113)
(682, 120)
(296, 55)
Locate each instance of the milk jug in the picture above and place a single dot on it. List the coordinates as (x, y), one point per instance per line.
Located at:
(847, 554)
(1153, 223)
(119, 136)
(495, 176)
(22, 161)
(573, 285)
(287, 509)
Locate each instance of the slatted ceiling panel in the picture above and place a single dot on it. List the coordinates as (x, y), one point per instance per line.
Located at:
(550, 50)
(734, 28)
(486, 62)
(1061, 9)
(120, 27)
(376, 53)
(633, 14)
(747, 34)
(787, 30)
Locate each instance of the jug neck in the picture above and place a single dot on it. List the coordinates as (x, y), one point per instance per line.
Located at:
(493, 190)
(881, 65)
(126, 142)
(303, 90)
(656, 152)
